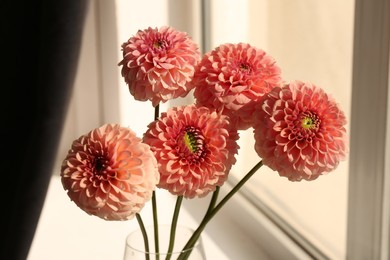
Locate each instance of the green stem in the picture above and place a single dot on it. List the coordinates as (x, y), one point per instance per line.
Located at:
(173, 226)
(155, 224)
(154, 204)
(213, 200)
(191, 242)
(156, 112)
(144, 234)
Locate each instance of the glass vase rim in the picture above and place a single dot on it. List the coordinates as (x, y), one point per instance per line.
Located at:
(163, 253)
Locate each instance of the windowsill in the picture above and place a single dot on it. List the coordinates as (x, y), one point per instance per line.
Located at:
(238, 231)
(66, 232)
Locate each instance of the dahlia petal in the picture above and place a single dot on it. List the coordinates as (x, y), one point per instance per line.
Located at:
(105, 187)
(300, 131)
(279, 126)
(167, 63)
(231, 77)
(307, 153)
(129, 162)
(124, 175)
(192, 144)
(104, 167)
(83, 183)
(136, 176)
(301, 144)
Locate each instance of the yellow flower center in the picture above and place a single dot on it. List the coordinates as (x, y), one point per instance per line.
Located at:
(307, 126)
(190, 145)
(159, 44)
(308, 123)
(190, 141)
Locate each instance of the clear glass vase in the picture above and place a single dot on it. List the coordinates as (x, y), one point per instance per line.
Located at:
(135, 247)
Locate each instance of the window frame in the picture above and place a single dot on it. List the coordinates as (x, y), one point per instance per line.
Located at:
(368, 208)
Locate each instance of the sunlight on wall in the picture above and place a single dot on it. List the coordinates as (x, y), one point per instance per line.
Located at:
(135, 114)
(310, 41)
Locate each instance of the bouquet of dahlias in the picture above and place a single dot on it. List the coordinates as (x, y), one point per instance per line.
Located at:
(299, 130)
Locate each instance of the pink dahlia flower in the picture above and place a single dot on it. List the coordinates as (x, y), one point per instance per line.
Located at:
(232, 78)
(195, 148)
(110, 173)
(300, 131)
(158, 63)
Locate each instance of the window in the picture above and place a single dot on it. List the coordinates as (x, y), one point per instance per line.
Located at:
(344, 215)
(293, 33)
(354, 198)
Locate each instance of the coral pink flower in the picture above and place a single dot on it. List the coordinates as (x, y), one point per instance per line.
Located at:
(232, 78)
(195, 148)
(158, 63)
(299, 131)
(110, 173)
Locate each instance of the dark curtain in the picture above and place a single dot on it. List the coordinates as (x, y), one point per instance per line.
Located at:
(40, 42)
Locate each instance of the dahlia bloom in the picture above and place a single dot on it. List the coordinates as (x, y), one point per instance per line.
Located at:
(232, 78)
(157, 64)
(300, 131)
(195, 148)
(110, 173)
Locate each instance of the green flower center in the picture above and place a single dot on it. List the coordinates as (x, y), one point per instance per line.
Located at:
(307, 126)
(189, 140)
(190, 144)
(308, 123)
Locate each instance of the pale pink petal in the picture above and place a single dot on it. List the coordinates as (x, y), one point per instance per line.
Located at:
(195, 148)
(158, 64)
(300, 131)
(232, 78)
(110, 173)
